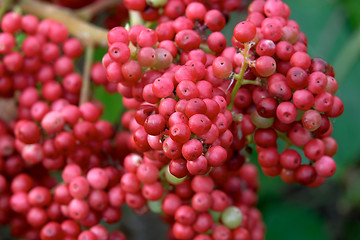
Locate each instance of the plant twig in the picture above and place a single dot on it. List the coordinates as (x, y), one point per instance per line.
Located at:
(89, 34)
(251, 82)
(135, 18)
(285, 139)
(4, 6)
(91, 10)
(85, 89)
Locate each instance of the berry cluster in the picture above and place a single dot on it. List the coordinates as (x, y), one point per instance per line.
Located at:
(167, 10)
(53, 133)
(34, 52)
(295, 99)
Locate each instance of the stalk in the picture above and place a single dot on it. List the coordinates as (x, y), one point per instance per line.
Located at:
(85, 89)
(4, 6)
(87, 33)
(240, 77)
(88, 12)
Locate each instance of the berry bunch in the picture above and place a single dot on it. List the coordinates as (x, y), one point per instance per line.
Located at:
(295, 99)
(53, 133)
(35, 52)
(182, 107)
(179, 110)
(168, 10)
(191, 205)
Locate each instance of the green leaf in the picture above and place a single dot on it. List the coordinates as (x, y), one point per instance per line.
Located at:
(353, 10)
(295, 222)
(113, 104)
(99, 53)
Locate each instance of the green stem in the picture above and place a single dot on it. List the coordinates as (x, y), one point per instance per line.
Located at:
(251, 82)
(206, 48)
(85, 89)
(285, 138)
(240, 77)
(4, 6)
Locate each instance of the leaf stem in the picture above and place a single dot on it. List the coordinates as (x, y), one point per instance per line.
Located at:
(85, 89)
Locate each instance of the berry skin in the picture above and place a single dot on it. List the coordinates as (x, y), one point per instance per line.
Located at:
(325, 166)
(286, 112)
(305, 174)
(265, 66)
(311, 120)
(119, 52)
(222, 67)
(245, 31)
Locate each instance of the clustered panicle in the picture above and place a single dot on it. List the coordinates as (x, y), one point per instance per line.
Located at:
(52, 132)
(196, 105)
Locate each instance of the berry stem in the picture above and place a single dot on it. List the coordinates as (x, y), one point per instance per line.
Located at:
(4, 6)
(87, 33)
(240, 77)
(205, 48)
(285, 138)
(135, 18)
(8, 109)
(89, 11)
(251, 82)
(85, 89)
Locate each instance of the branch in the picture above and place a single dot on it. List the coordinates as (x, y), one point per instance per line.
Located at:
(135, 18)
(4, 7)
(87, 33)
(85, 88)
(88, 12)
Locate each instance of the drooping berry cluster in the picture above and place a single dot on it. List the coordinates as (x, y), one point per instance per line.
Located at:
(52, 133)
(295, 99)
(191, 205)
(35, 52)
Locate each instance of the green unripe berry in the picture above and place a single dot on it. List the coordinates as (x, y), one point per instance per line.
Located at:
(231, 217)
(156, 3)
(171, 178)
(259, 121)
(155, 206)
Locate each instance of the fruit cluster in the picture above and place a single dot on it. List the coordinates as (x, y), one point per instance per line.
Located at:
(52, 133)
(195, 105)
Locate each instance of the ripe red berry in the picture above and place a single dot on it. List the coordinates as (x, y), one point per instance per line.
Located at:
(245, 31)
